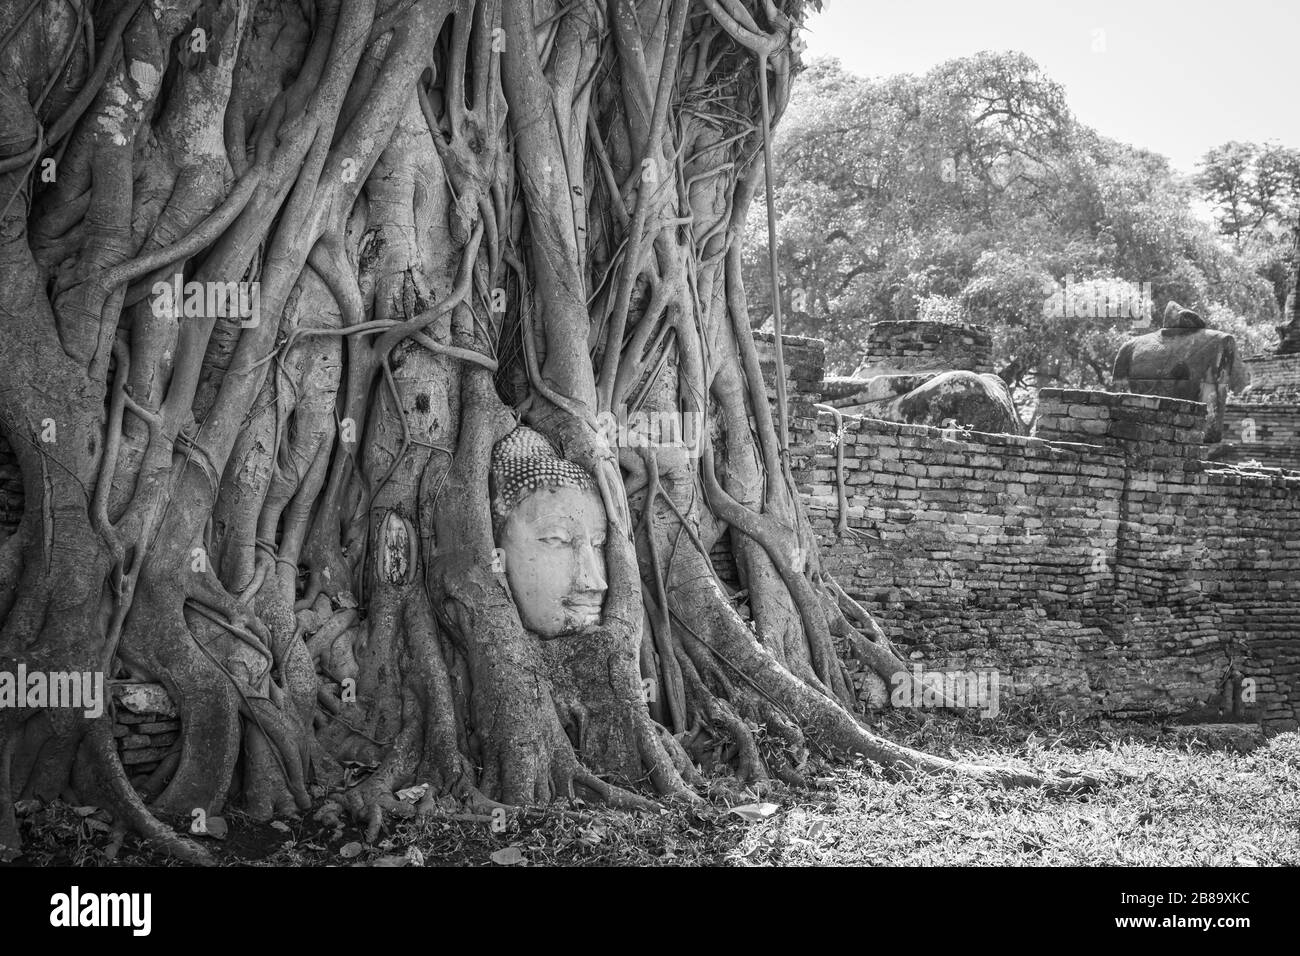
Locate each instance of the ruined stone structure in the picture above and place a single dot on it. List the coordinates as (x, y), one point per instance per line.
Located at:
(146, 727)
(1143, 426)
(927, 373)
(1093, 579)
(916, 345)
(1101, 567)
(1262, 423)
(805, 366)
(1274, 375)
(1264, 432)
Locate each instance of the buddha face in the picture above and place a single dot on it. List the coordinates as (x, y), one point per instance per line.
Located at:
(553, 542)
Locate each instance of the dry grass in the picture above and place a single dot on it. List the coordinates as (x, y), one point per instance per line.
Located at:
(1171, 805)
(1180, 806)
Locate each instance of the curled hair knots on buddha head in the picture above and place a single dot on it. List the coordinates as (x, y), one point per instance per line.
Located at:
(523, 462)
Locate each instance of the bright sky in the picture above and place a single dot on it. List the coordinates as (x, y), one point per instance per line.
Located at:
(1174, 77)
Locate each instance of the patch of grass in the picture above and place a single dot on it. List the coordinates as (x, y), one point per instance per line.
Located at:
(1170, 805)
(1179, 806)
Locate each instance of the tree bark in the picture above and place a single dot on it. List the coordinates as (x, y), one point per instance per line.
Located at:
(459, 214)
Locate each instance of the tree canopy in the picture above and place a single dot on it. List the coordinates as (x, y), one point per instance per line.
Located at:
(972, 191)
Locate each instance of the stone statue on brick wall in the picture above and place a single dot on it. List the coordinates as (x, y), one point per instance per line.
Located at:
(977, 400)
(549, 525)
(927, 373)
(1183, 359)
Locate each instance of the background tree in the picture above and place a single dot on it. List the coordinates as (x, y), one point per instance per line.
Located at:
(1255, 192)
(974, 183)
(461, 213)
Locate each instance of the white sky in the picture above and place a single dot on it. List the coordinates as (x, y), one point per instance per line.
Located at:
(1174, 77)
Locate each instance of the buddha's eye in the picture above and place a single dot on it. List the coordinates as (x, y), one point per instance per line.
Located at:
(554, 540)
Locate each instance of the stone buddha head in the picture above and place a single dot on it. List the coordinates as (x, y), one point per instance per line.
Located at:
(549, 525)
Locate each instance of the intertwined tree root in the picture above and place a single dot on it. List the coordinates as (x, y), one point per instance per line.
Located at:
(460, 214)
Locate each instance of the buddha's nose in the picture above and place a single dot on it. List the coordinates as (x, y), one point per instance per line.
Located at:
(591, 569)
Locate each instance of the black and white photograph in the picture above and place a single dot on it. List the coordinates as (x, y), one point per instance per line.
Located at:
(747, 434)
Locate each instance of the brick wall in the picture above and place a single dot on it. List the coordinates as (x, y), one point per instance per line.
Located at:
(1091, 579)
(1266, 432)
(1263, 423)
(145, 725)
(918, 344)
(1108, 570)
(1271, 373)
(805, 362)
(1143, 425)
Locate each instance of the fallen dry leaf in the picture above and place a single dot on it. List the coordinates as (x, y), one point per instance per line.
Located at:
(509, 856)
(753, 812)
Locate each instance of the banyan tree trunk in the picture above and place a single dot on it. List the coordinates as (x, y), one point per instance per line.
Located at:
(448, 217)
